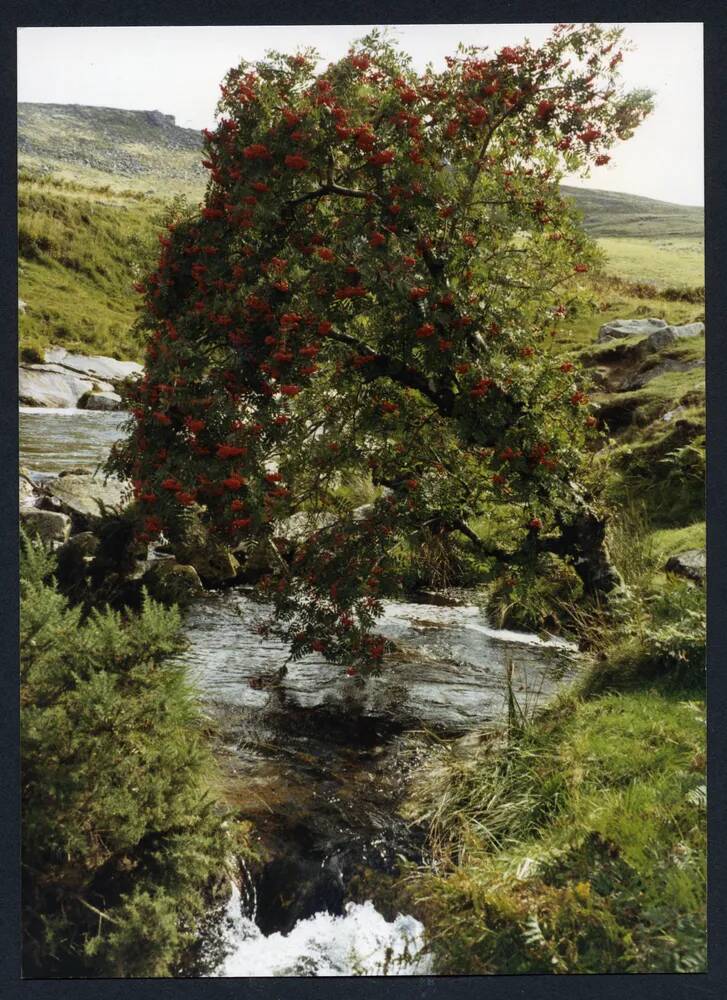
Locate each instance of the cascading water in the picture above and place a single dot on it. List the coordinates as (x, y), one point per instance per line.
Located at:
(359, 942)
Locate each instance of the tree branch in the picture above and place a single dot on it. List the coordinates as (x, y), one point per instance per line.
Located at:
(331, 188)
(383, 365)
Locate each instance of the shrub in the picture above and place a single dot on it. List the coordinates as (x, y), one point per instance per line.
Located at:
(122, 846)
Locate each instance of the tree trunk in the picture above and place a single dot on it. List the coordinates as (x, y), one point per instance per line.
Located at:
(584, 539)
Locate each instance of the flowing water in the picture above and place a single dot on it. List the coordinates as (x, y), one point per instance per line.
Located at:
(52, 440)
(318, 762)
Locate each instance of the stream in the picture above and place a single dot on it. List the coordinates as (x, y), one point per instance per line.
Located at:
(319, 763)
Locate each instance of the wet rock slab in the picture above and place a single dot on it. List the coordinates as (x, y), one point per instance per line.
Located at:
(94, 366)
(448, 672)
(53, 386)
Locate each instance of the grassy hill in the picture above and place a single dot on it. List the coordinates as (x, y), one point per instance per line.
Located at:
(80, 250)
(137, 150)
(611, 213)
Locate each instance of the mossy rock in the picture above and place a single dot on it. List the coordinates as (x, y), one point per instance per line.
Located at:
(172, 583)
(193, 545)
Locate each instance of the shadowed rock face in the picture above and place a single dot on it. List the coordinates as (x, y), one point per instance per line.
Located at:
(101, 401)
(671, 334)
(641, 378)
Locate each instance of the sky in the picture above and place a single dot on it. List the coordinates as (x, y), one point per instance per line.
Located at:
(178, 70)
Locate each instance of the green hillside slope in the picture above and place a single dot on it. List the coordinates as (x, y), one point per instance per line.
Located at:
(80, 251)
(611, 213)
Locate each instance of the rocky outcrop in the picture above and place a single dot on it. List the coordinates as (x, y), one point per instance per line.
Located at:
(170, 582)
(53, 386)
(95, 367)
(691, 564)
(618, 329)
(27, 495)
(669, 335)
(101, 401)
(74, 380)
(641, 378)
(656, 333)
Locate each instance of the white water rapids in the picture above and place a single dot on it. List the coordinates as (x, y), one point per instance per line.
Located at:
(358, 943)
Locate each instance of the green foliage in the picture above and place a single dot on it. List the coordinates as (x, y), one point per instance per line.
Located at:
(576, 847)
(575, 841)
(535, 595)
(122, 846)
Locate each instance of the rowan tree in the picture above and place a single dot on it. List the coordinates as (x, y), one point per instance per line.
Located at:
(374, 282)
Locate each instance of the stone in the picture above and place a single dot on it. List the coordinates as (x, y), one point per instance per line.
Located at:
(84, 496)
(84, 544)
(641, 378)
(95, 366)
(213, 561)
(668, 417)
(48, 525)
(302, 525)
(691, 564)
(618, 329)
(671, 334)
(170, 582)
(53, 386)
(101, 401)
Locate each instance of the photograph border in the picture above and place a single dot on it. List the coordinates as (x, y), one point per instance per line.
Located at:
(55, 13)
